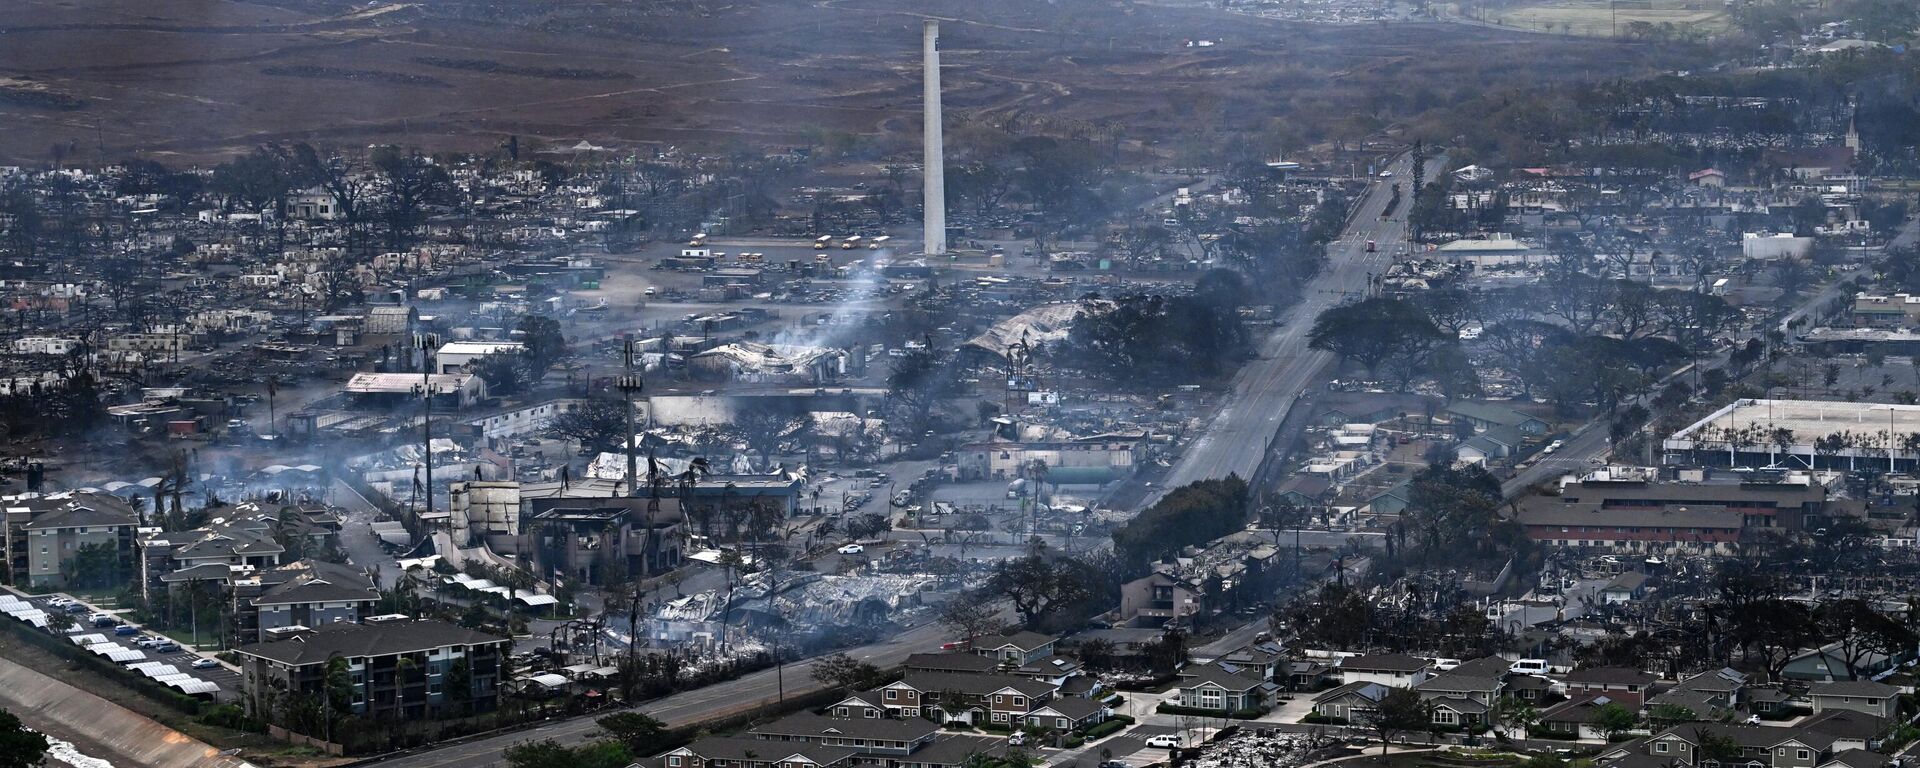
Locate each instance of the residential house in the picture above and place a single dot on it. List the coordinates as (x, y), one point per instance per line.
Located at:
(1573, 718)
(1018, 649)
(1305, 491)
(1848, 729)
(882, 737)
(1829, 663)
(1352, 703)
(865, 704)
(1395, 670)
(1262, 660)
(1774, 747)
(1461, 699)
(1624, 588)
(1621, 685)
(1211, 687)
(1392, 501)
(1531, 689)
(400, 668)
(1877, 699)
(1486, 416)
(957, 663)
(1857, 758)
(217, 552)
(1311, 674)
(1004, 699)
(739, 752)
(1068, 713)
(48, 538)
(952, 751)
(1159, 597)
(305, 593)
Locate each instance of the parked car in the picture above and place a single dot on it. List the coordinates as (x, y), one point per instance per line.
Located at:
(206, 664)
(126, 631)
(1165, 741)
(1530, 667)
(852, 549)
(167, 647)
(1018, 739)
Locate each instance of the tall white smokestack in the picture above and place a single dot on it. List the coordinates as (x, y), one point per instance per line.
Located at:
(934, 194)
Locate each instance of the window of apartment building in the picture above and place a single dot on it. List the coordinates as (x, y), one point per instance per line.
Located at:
(673, 760)
(1019, 701)
(1804, 754)
(1660, 746)
(999, 699)
(1444, 717)
(892, 694)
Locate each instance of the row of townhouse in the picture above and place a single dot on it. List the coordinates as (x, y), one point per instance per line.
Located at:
(1820, 743)
(1470, 694)
(1008, 680)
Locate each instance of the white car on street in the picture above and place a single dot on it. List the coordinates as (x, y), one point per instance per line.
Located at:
(1165, 741)
(852, 549)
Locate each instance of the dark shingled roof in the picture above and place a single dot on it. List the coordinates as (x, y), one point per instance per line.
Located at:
(1609, 676)
(975, 685)
(951, 662)
(954, 750)
(810, 725)
(731, 748)
(358, 640)
(1386, 662)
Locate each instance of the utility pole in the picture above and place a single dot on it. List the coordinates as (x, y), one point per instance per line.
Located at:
(427, 343)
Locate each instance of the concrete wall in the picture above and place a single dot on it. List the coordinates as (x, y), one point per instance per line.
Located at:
(98, 727)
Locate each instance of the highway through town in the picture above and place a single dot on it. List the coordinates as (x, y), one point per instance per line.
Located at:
(1266, 388)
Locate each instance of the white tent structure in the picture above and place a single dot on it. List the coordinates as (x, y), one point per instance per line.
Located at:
(117, 654)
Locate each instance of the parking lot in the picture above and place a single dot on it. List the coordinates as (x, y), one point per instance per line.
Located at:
(180, 658)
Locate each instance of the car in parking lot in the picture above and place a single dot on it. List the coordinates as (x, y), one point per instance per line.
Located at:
(1165, 741)
(852, 549)
(126, 631)
(205, 664)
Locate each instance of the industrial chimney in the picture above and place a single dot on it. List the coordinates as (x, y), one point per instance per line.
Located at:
(934, 194)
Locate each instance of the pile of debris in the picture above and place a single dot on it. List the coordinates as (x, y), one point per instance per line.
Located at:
(1255, 749)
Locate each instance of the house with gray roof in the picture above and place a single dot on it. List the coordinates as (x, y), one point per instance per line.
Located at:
(1865, 696)
(403, 668)
(738, 752)
(46, 537)
(1213, 687)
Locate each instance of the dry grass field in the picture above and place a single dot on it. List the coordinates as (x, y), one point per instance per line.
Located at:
(190, 80)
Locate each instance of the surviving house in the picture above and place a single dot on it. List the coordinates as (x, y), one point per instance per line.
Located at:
(1352, 703)
(1624, 686)
(401, 668)
(52, 539)
(1877, 699)
(1004, 699)
(1212, 687)
(1395, 670)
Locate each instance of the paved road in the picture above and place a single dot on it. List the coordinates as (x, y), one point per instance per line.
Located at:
(1588, 446)
(356, 533)
(694, 706)
(1264, 389)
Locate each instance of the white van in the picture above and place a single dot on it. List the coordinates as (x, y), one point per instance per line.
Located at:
(1530, 667)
